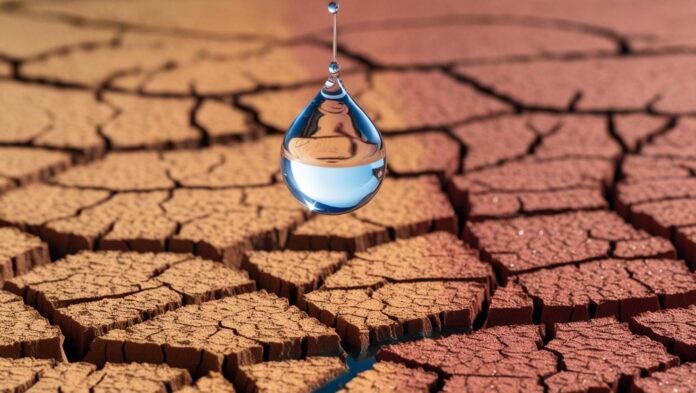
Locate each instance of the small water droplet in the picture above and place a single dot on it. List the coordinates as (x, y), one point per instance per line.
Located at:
(334, 68)
(333, 7)
(333, 159)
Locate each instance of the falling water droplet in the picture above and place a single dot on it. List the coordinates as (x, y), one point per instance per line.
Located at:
(333, 159)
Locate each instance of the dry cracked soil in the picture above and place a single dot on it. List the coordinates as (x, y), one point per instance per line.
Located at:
(536, 231)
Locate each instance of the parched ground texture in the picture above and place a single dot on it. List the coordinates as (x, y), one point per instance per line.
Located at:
(536, 231)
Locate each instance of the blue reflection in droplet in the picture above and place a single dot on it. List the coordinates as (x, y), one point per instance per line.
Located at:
(333, 7)
(330, 190)
(334, 68)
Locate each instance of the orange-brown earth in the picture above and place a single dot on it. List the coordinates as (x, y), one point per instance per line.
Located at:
(536, 231)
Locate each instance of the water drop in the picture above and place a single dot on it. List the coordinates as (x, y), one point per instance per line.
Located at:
(334, 67)
(333, 159)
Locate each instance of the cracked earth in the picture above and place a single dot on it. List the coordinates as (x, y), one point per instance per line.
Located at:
(536, 231)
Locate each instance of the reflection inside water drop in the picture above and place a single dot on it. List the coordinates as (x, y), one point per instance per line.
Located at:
(333, 159)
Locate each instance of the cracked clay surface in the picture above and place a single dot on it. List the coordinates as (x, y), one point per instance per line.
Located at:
(536, 231)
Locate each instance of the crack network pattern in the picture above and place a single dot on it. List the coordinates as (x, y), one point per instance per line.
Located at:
(557, 140)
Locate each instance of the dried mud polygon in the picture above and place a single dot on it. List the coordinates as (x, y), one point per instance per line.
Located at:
(219, 335)
(605, 83)
(25, 333)
(395, 310)
(91, 293)
(147, 201)
(503, 351)
(435, 256)
(27, 38)
(39, 375)
(425, 153)
(603, 353)
(610, 287)
(150, 122)
(211, 383)
(392, 377)
(472, 384)
(42, 116)
(528, 243)
(408, 287)
(510, 305)
(417, 99)
(222, 122)
(658, 191)
(674, 379)
(216, 167)
(530, 187)
(22, 165)
(291, 274)
(20, 252)
(129, 60)
(292, 376)
(674, 328)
